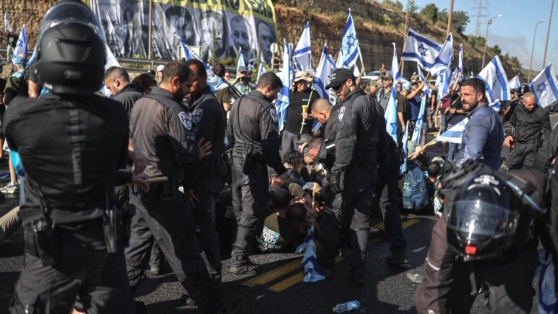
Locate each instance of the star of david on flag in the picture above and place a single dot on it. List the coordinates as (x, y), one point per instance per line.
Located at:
(349, 43)
(545, 86)
(495, 80)
(420, 49)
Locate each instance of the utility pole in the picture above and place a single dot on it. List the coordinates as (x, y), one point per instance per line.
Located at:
(479, 18)
(449, 18)
(547, 34)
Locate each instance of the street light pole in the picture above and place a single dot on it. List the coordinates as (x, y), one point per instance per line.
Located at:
(547, 34)
(486, 37)
(533, 50)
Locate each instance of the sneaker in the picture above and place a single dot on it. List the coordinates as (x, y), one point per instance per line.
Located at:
(416, 278)
(246, 269)
(398, 261)
(10, 188)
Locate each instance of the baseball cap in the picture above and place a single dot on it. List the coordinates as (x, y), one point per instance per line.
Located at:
(242, 69)
(303, 75)
(160, 68)
(338, 77)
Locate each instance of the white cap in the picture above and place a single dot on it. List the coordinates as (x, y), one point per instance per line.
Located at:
(160, 68)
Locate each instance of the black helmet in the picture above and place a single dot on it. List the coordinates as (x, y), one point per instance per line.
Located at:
(71, 50)
(524, 88)
(481, 223)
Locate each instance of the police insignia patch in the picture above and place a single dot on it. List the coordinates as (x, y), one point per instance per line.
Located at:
(274, 115)
(197, 115)
(185, 120)
(341, 113)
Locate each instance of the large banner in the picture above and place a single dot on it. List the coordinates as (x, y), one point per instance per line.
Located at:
(236, 23)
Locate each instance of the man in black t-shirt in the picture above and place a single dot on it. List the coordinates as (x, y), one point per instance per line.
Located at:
(303, 96)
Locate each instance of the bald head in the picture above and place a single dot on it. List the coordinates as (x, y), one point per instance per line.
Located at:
(529, 101)
(321, 109)
(529, 95)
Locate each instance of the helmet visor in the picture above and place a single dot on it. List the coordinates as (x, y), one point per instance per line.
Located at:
(71, 12)
(476, 218)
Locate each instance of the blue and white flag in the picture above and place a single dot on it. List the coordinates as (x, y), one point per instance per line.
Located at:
(545, 87)
(21, 47)
(460, 65)
(515, 83)
(349, 43)
(324, 70)
(494, 77)
(111, 62)
(261, 71)
(419, 73)
(339, 62)
(394, 71)
(471, 75)
(240, 62)
(303, 53)
(33, 58)
(445, 56)
(417, 132)
(403, 167)
(443, 83)
(190, 54)
(309, 262)
(250, 65)
(391, 110)
(454, 134)
(8, 27)
(420, 49)
(454, 76)
(287, 77)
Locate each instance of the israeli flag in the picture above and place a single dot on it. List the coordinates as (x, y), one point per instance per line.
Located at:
(445, 56)
(309, 262)
(545, 87)
(8, 27)
(190, 54)
(240, 62)
(303, 53)
(261, 71)
(495, 80)
(111, 62)
(394, 71)
(391, 110)
(443, 82)
(420, 49)
(21, 47)
(250, 65)
(287, 77)
(417, 132)
(403, 167)
(324, 70)
(349, 43)
(515, 83)
(33, 58)
(454, 134)
(419, 73)
(339, 62)
(471, 75)
(454, 76)
(460, 66)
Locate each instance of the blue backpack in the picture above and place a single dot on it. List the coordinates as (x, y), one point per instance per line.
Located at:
(415, 193)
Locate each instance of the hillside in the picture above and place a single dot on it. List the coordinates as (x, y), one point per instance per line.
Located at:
(377, 28)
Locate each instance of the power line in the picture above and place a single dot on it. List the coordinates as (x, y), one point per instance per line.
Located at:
(479, 18)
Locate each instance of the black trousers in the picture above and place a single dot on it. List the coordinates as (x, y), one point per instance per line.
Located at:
(523, 155)
(250, 194)
(206, 190)
(90, 273)
(388, 191)
(348, 212)
(167, 220)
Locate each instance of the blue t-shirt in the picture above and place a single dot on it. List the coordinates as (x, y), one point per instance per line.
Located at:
(414, 108)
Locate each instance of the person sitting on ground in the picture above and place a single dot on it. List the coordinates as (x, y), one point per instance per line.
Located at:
(293, 161)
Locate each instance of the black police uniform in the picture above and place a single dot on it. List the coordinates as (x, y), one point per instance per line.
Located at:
(163, 131)
(127, 96)
(531, 127)
(70, 147)
(208, 122)
(547, 153)
(253, 135)
(353, 177)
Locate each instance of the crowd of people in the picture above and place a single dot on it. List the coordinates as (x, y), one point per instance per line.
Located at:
(169, 168)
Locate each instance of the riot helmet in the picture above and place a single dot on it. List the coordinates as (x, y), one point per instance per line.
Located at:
(524, 88)
(482, 223)
(71, 50)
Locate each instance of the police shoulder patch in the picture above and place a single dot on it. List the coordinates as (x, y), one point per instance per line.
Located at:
(274, 115)
(341, 113)
(183, 116)
(197, 115)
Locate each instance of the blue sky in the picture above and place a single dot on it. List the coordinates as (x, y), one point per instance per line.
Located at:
(514, 31)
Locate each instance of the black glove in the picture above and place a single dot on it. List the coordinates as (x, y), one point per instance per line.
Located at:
(334, 184)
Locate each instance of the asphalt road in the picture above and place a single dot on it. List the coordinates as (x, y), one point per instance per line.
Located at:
(279, 289)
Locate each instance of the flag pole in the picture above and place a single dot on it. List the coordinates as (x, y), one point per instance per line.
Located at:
(449, 18)
(150, 22)
(402, 66)
(547, 34)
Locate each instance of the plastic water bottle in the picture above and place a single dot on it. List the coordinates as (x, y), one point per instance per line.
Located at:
(346, 307)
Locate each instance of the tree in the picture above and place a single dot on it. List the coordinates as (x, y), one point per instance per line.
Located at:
(443, 16)
(496, 50)
(459, 21)
(476, 41)
(430, 11)
(412, 7)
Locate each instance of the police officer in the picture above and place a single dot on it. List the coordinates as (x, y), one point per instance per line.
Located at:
(203, 187)
(117, 81)
(528, 126)
(161, 127)
(254, 138)
(70, 142)
(352, 176)
(516, 99)
(485, 238)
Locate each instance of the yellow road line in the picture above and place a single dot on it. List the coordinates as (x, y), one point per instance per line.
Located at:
(273, 274)
(293, 280)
